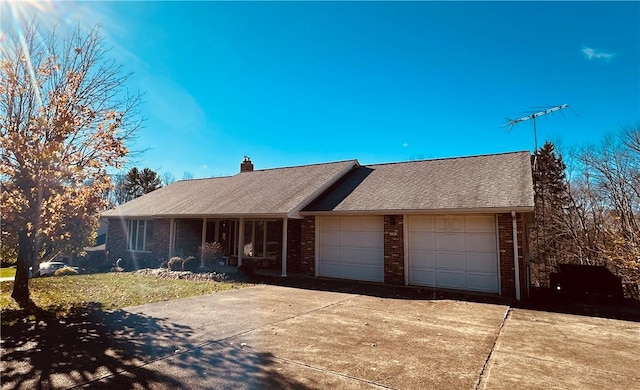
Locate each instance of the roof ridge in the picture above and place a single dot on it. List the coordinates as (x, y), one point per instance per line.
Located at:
(270, 169)
(201, 178)
(305, 165)
(447, 158)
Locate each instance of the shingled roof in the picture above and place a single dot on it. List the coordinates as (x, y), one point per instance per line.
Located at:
(270, 192)
(480, 183)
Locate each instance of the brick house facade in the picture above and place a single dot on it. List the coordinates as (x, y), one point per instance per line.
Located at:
(348, 221)
(116, 245)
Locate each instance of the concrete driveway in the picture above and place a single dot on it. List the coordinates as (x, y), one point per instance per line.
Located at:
(283, 337)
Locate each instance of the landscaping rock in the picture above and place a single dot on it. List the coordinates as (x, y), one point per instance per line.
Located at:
(164, 273)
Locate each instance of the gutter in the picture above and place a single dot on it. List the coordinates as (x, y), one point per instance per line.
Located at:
(487, 210)
(516, 264)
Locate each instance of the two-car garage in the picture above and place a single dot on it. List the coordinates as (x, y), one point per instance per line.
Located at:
(444, 251)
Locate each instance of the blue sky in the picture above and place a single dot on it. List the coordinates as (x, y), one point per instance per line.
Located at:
(295, 83)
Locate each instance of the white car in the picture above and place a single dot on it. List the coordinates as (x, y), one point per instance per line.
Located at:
(48, 268)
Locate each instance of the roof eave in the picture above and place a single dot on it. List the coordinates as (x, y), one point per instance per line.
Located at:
(482, 210)
(201, 216)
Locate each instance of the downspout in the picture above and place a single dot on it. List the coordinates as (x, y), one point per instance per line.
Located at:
(516, 264)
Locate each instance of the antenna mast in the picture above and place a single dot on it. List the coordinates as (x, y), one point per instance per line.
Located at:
(513, 122)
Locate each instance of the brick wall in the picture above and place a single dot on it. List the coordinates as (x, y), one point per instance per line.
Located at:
(394, 249)
(294, 248)
(507, 269)
(308, 246)
(188, 237)
(161, 240)
(117, 240)
(117, 246)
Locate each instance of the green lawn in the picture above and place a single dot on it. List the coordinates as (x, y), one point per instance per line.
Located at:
(109, 291)
(7, 272)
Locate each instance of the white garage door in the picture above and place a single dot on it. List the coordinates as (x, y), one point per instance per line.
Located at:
(351, 248)
(456, 252)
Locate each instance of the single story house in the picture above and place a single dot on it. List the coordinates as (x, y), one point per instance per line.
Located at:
(452, 223)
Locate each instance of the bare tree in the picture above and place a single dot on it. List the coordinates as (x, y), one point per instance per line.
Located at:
(601, 225)
(168, 178)
(187, 175)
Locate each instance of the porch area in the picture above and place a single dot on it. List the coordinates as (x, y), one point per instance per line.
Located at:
(265, 244)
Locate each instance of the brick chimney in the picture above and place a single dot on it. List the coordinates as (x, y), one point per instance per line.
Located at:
(246, 165)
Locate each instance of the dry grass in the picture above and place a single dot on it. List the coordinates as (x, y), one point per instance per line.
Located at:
(7, 272)
(110, 291)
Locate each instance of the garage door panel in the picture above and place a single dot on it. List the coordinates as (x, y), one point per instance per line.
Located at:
(480, 223)
(482, 262)
(451, 279)
(371, 224)
(372, 256)
(371, 240)
(330, 223)
(480, 242)
(353, 224)
(450, 223)
(329, 269)
(350, 271)
(422, 223)
(372, 274)
(330, 237)
(423, 277)
(422, 240)
(457, 252)
(350, 255)
(450, 241)
(482, 282)
(358, 250)
(348, 238)
(329, 253)
(421, 259)
(451, 260)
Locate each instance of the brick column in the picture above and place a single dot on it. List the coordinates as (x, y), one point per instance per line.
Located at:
(308, 246)
(505, 248)
(294, 230)
(394, 249)
(161, 240)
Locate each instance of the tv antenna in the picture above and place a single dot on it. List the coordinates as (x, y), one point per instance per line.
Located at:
(513, 122)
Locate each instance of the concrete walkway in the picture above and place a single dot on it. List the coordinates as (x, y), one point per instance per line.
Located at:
(271, 337)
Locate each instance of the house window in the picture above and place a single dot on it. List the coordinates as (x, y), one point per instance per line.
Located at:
(140, 235)
(262, 238)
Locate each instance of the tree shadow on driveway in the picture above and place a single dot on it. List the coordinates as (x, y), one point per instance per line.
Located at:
(118, 349)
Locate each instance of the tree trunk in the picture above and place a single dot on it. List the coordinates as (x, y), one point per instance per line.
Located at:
(21, 283)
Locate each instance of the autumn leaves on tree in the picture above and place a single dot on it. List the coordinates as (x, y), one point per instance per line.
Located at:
(65, 117)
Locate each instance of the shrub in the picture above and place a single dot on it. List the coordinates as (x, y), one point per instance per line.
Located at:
(211, 252)
(191, 264)
(175, 263)
(65, 271)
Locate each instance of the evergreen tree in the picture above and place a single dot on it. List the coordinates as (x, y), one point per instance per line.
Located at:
(137, 183)
(551, 201)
